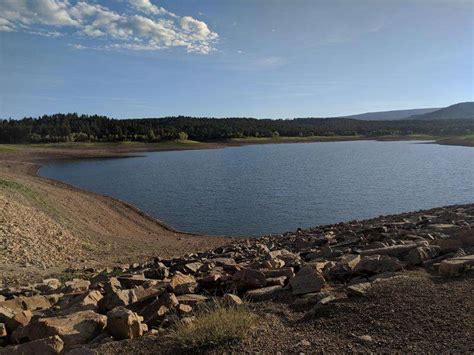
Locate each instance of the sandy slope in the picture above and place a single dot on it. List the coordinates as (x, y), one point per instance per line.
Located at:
(46, 226)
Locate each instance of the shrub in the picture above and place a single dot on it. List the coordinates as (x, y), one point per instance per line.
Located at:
(214, 325)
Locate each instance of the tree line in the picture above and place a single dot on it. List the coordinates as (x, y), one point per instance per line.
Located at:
(72, 127)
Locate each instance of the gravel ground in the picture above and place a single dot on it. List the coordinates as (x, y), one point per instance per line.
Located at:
(413, 313)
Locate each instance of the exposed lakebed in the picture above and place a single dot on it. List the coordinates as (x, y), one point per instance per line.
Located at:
(261, 189)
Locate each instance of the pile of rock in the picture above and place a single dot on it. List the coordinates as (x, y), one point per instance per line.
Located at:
(319, 265)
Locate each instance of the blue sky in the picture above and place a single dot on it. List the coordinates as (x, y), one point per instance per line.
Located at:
(254, 58)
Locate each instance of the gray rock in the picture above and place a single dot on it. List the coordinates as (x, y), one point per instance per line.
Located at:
(307, 280)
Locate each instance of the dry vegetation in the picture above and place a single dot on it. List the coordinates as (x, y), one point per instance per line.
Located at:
(214, 324)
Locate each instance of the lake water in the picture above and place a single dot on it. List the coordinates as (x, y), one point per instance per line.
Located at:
(262, 189)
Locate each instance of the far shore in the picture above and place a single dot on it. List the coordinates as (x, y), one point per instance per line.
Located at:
(102, 231)
(44, 152)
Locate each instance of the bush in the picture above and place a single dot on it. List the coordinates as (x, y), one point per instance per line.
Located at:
(183, 136)
(214, 325)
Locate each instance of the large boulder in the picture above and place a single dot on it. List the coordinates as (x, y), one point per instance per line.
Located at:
(47, 346)
(116, 299)
(124, 324)
(249, 279)
(76, 328)
(182, 283)
(307, 280)
(83, 302)
(418, 255)
(14, 318)
(376, 264)
(157, 309)
(456, 266)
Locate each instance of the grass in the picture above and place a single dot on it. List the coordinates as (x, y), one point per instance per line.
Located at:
(91, 145)
(8, 147)
(16, 186)
(215, 324)
(292, 139)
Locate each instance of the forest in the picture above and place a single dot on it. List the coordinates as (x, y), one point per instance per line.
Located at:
(72, 127)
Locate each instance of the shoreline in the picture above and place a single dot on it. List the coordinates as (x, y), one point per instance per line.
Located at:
(110, 231)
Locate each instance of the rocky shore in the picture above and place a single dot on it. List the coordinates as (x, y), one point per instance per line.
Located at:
(310, 271)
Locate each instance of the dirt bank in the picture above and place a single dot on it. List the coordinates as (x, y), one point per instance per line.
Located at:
(47, 226)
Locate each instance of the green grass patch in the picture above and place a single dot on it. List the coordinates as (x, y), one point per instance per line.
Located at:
(16, 186)
(296, 139)
(8, 148)
(215, 324)
(102, 145)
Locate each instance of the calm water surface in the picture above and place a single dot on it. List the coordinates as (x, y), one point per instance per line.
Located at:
(261, 189)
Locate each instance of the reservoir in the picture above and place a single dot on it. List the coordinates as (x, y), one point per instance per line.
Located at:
(261, 189)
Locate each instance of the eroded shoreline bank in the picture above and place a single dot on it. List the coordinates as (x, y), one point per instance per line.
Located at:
(103, 230)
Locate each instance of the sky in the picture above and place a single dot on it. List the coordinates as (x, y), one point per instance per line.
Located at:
(229, 58)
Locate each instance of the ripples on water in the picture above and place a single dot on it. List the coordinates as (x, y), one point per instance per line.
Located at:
(261, 189)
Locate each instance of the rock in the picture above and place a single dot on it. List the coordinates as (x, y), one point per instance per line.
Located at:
(307, 280)
(186, 288)
(343, 269)
(15, 304)
(456, 266)
(76, 328)
(131, 281)
(394, 250)
(192, 300)
(158, 308)
(6, 314)
(47, 346)
(157, 273)
(365, 338)
(274, 281)
(376, 264)
(286, 271)
(48, 285)
(180, 279)
(116, 299)
(264, 293)
(359, 289)
(84, 302)
(34, 303)
(20, 319)
(421, 254)
(124, 324)
(232, 299)
(224, 261)
(112, 285)
(184, 309)
(77, 285)
(193, 267)
(248, 279)
(273, 263)
(3, 330)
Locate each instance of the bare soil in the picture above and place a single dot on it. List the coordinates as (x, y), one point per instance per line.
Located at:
(47, 226)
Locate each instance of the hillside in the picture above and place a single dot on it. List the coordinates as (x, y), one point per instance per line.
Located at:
(391, 115)
(463, 110)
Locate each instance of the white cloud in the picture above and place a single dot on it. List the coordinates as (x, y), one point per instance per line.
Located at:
(122, 31)
(147, 7)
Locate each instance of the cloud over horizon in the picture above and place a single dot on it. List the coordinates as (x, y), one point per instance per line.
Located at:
(149, 27)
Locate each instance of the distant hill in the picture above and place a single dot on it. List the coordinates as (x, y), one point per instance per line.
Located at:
(391, 115)
(463, 110)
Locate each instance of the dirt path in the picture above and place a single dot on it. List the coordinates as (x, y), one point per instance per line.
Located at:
(46, 226)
